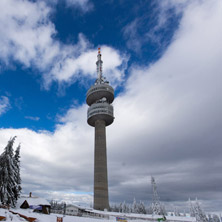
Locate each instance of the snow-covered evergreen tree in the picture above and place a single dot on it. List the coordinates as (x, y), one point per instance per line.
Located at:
(135, 207)
(128, 208)
(17, 189)
(149, 210)
(163, 209)
(141, 208)
(138, 208)
(176, 212)
(192, 211)
(114, 208)
(124, 207)
(213, 218)
(7, 175)
(121, 207)
(199, 213)
(9, 183)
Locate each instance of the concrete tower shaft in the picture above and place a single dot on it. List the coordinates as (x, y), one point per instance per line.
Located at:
(101, 196)
(100, 114)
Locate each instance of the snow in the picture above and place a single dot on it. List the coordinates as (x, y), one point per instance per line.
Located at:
(32, 201)
(53, 217)
(44, 217)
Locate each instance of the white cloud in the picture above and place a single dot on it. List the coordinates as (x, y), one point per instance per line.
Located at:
(134, 40)
(71, 68)
(34, 118)
(168, 120)
(26, 33)
(139, 32)
(27, 37)
(45, 157)
(69, 197)
(4, 104)
(83, 5)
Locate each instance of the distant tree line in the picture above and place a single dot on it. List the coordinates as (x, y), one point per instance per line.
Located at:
(197, 211)
(158, 208)
(140, 208)
(135, 207)
(10, 180)
(56, 206)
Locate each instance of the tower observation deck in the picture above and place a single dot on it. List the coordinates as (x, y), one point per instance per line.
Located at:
(100, 114)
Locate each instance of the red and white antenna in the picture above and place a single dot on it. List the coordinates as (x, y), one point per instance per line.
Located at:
(99, 65)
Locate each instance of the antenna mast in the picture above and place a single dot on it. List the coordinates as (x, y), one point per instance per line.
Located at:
(156, 208)
(99, 65)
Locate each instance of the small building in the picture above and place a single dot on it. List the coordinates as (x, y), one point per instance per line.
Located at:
(36, 203)
(73, 210)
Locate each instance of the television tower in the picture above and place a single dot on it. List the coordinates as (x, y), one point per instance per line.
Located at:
(99, 115)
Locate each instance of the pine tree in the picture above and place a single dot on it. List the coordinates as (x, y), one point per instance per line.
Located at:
(128, 210)
(215, 218)
(135, 207)
(176, 212)
(7, 175)
(10, 181)
(124, 207)
(121, 207)
(163, 209)
(192, 211)
(16, 159)
(149, 210)
(199, 213)
(115, 208)
(141, 208)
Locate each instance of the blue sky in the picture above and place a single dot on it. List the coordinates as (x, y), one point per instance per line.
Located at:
(120, 25)
(164, 60)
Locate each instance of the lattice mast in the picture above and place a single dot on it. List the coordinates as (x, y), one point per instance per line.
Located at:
(156, 207)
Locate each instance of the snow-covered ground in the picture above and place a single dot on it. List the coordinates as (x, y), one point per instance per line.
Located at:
(53, 217)
(44, 217)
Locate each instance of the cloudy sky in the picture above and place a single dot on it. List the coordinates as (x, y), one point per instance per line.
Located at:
(164, 59)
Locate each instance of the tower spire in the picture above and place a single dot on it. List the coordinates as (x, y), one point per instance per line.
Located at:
(99, 65)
